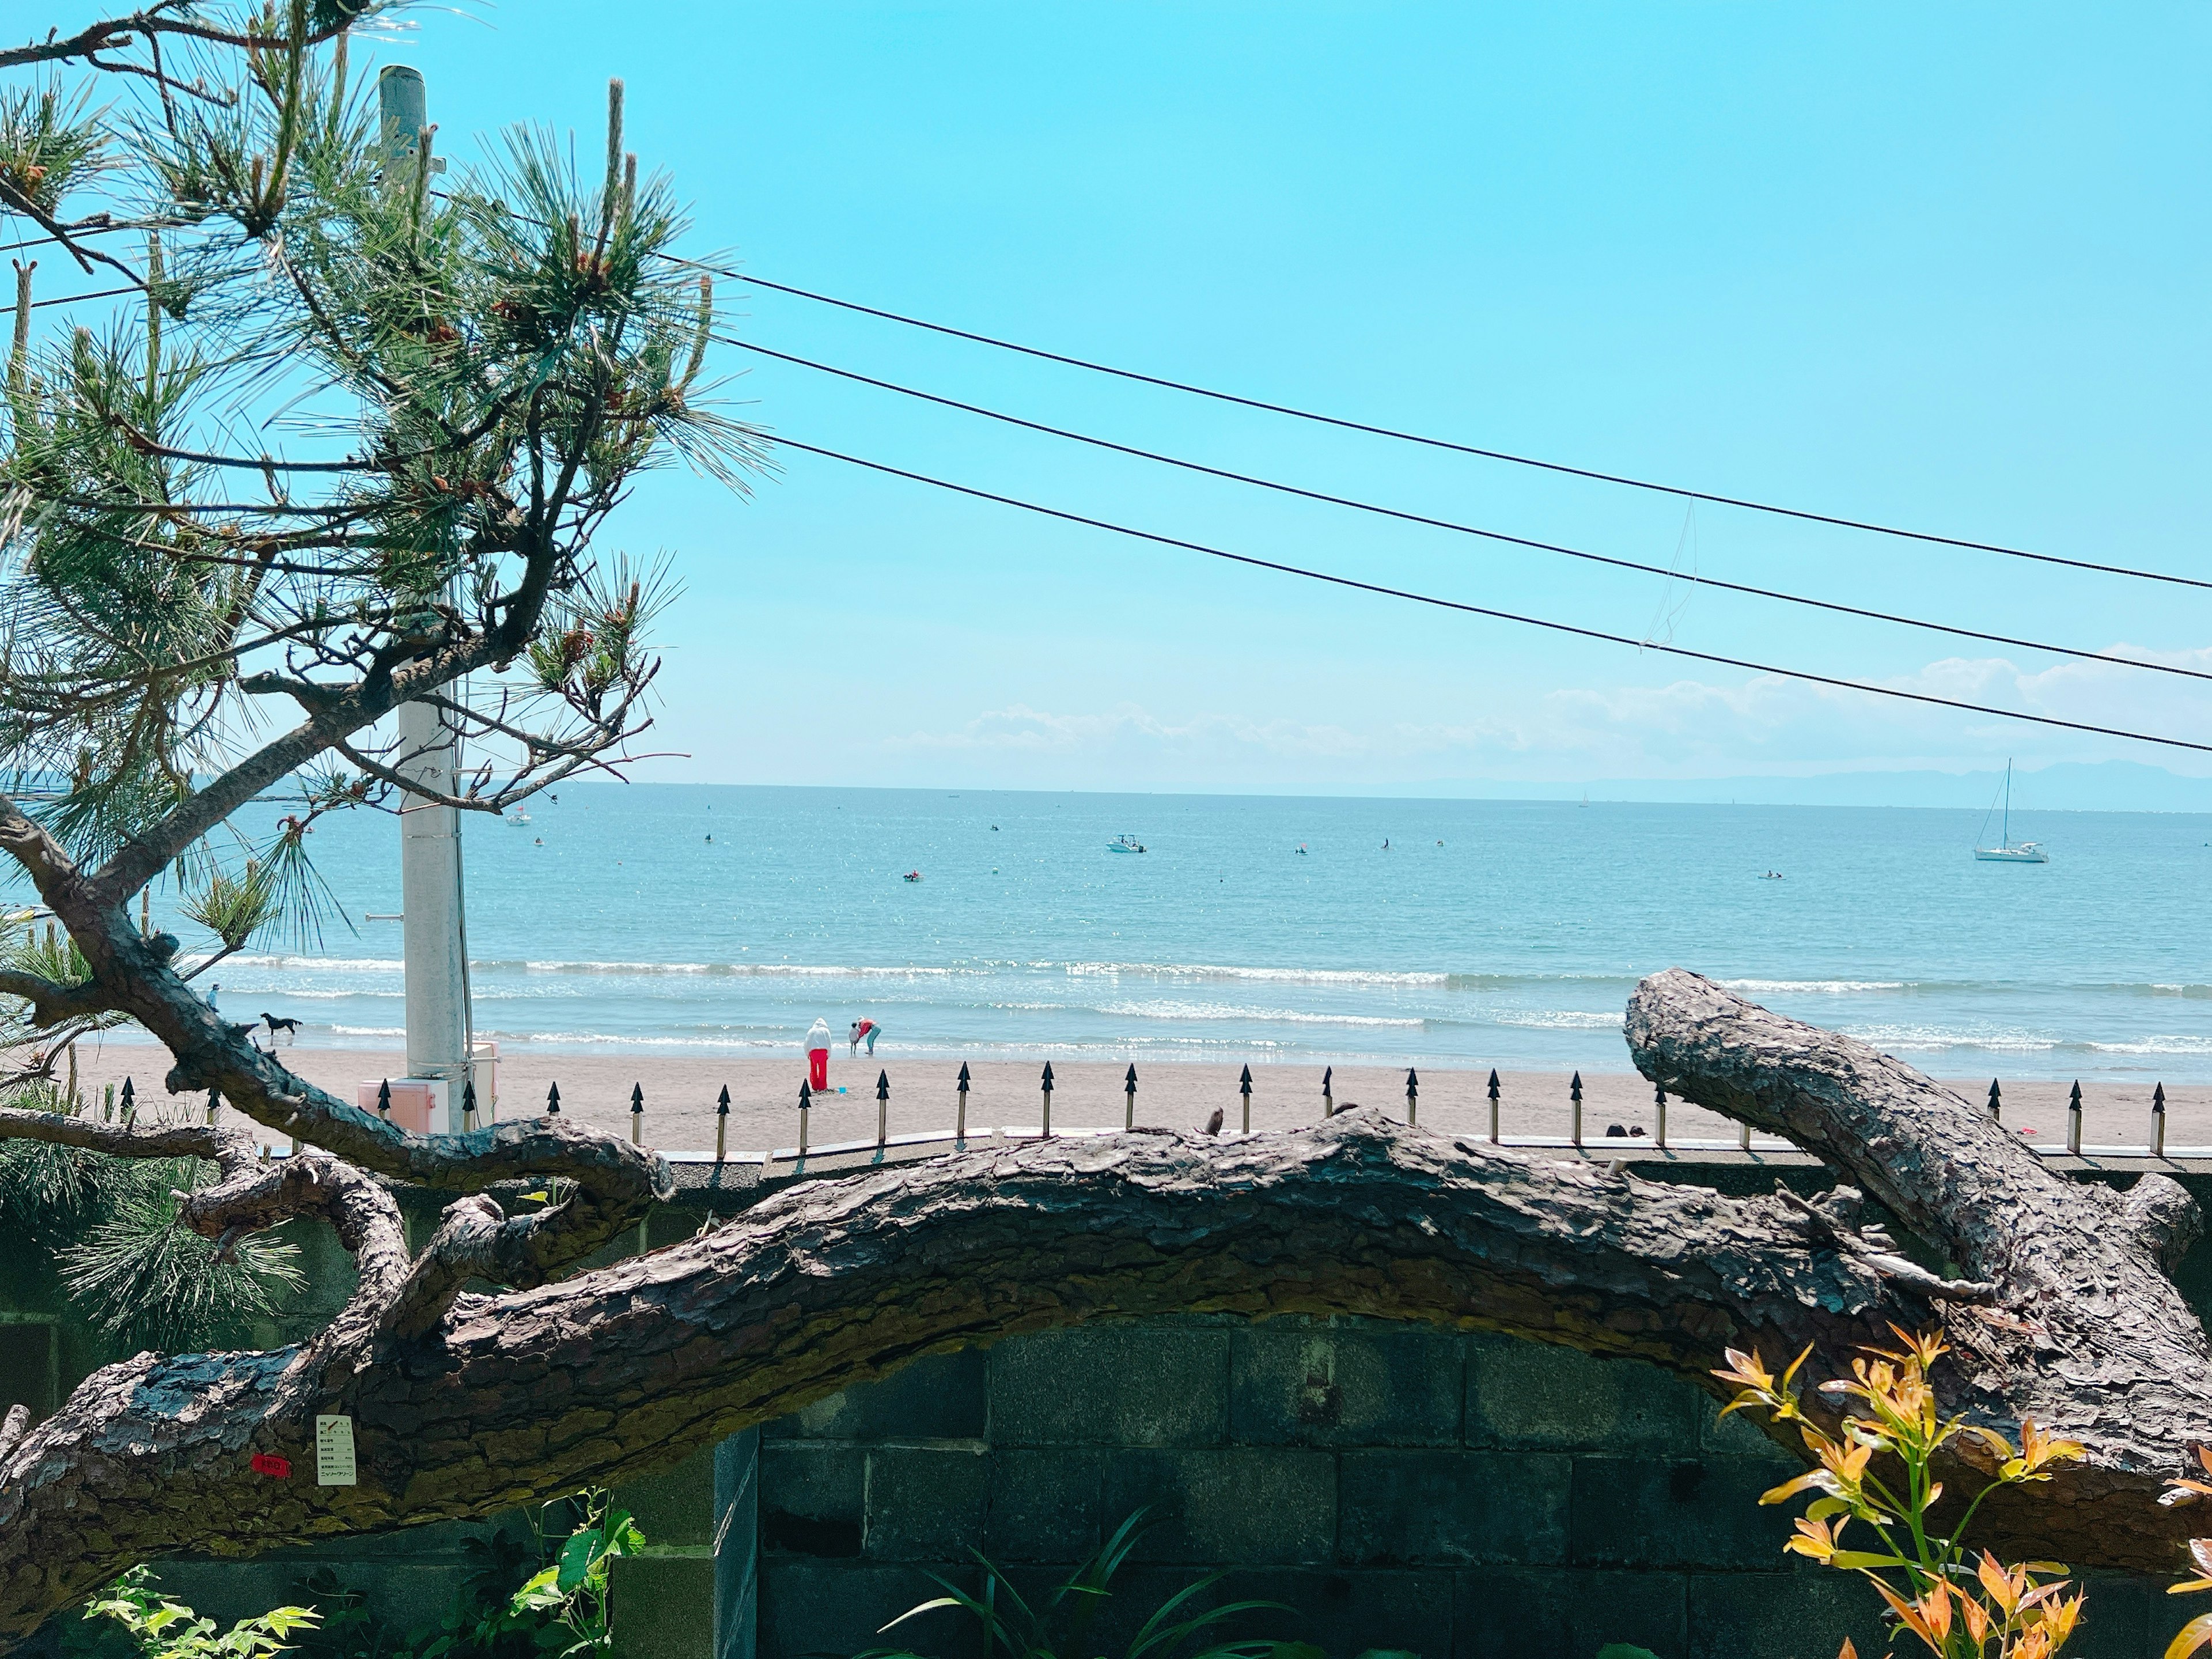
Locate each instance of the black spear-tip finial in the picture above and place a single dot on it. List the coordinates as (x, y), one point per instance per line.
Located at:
(1048, 1077)
(1328, 1079)
(2074, 1100)
(1412, 1083)
(637, 1097)
(1244, 1083)
(1130, 1083)
(722, 1105)
(2158, 1098)
(384, 1100)
(964, 1077)
(1494, 1083)
(1997, 1099)
(1575, 1087)
(130, 1099)
(806, 1094)
(883, 1086)
(553, 1100)
(468, 1100)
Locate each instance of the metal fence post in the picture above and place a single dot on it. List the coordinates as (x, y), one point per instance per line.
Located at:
(1244, 1088)
(806, 1100)
(1129, 1088)
(1328, 1091)
(1575, 1099)
(2073, 1119)
(1659, 1100)
(883, 1107)
(1413, 1097)
(637, 1114)
(1046, 1126)
(2158, 1120)
(1493, 1105)
(722, 1126)
(960, 1123)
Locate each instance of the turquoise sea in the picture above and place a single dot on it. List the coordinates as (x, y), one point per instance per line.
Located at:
(724, 919)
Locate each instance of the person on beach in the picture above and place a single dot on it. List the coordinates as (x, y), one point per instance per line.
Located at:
(817, 1055)
(864, 1030)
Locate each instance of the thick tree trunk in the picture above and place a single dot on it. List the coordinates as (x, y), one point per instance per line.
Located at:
(465, 1406)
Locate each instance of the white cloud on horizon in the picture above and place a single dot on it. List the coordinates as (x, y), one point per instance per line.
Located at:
(1684, 728)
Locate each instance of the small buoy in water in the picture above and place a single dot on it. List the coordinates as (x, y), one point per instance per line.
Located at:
(538, 841)
(710, 838)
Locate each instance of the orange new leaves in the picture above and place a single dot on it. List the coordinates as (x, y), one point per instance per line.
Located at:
(2197, 1632)
(1991, 1611)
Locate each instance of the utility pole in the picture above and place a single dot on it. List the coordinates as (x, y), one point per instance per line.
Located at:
(433, 929)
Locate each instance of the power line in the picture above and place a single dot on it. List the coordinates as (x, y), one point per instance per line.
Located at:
(1486, 611)
(72, 298)
(1458, 528)
(1677, 491)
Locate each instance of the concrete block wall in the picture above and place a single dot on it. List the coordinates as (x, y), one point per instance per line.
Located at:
(1463, 1496)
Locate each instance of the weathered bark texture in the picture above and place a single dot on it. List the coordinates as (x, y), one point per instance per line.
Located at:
(465, 1404)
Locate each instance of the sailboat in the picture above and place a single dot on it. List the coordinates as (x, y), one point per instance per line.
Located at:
(2008, 851)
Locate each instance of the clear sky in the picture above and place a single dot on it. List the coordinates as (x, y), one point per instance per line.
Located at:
(1940, 266)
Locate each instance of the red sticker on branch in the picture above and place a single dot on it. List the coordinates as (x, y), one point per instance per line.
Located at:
(264, 1463)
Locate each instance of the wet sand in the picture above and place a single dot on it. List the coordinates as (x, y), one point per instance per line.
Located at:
(680, 1093)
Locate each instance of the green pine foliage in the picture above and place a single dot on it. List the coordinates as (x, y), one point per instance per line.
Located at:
(140, 1277)
(149, 1282)
(364, 408)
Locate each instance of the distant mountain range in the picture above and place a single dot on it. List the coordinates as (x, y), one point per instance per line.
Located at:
(2069, 787)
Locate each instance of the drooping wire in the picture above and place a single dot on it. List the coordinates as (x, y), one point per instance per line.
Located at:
(1681, 492)
(1457, 528)
(1574, 628)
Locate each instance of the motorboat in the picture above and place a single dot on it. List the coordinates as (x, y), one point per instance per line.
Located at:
(1125, 844)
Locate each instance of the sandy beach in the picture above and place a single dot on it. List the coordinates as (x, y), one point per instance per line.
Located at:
(680, 1094)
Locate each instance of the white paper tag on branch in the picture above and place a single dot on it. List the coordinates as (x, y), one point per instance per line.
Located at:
(334, 1451)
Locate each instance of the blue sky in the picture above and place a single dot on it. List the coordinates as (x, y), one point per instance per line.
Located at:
(1946, 267)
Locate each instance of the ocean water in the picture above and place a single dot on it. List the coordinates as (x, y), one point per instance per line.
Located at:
(723, 919)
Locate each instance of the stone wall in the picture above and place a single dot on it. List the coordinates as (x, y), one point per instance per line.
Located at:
(1468, 1496)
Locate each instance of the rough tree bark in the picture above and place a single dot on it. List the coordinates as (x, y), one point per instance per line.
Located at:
(465, 1404)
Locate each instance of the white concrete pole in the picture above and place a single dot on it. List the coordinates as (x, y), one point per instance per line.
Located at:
(433, 933)
(430, 885)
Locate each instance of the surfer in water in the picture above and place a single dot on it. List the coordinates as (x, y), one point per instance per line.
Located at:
(864, 1030)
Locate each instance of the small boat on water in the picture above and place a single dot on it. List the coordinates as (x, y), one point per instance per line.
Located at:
(520, 817)
(911, 875)
(2008, 851)
(1125, 844)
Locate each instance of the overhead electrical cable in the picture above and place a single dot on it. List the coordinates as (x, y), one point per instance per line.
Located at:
(1373, 430)
(1458, 528)
(1679, 491)
(1573, 628)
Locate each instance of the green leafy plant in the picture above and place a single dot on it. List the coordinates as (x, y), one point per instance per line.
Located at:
(1060, 1626)
(1984, 1609)
(570, 1596)
(162, 1629)
(543, 1592)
